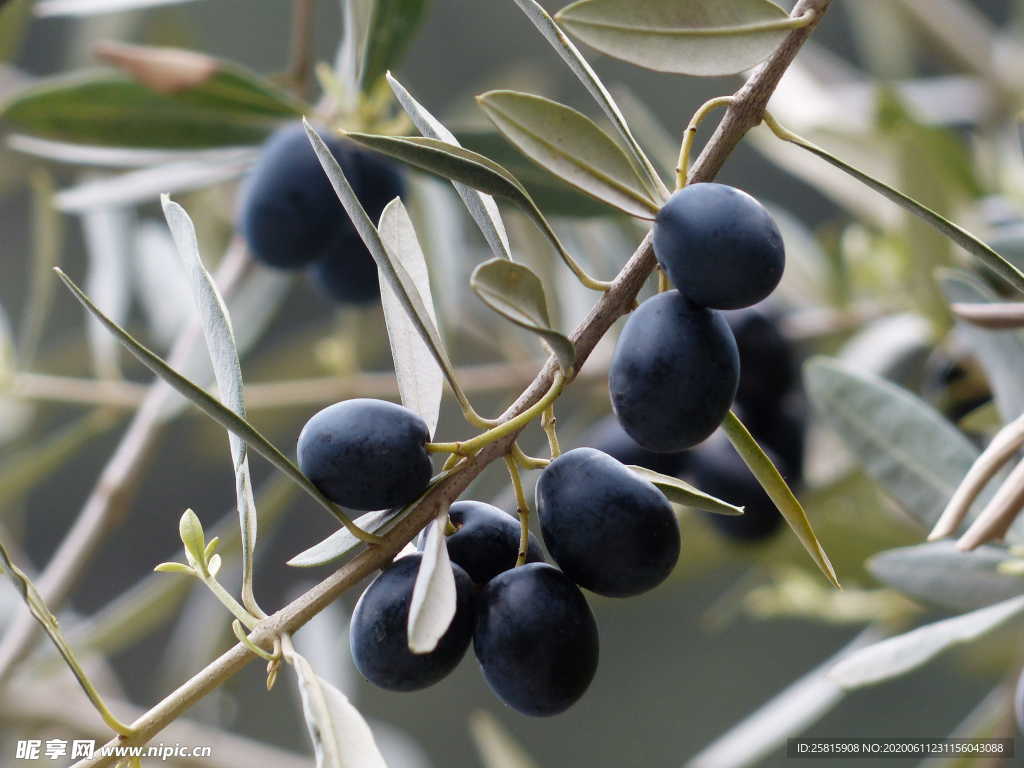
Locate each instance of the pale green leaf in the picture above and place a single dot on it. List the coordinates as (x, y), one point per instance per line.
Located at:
(341, 738)
(906, 446)
(580, 67)
(937, 573)
(433, 602)
(904, 653)
(688, 37)
(220, 342)
(570, 145)
(192, 536)
(989, 258)
(420, 380)
(178, 568)
(481, 207)
(517, 294)
(681, 492)
(46, 8)
(779, 492)
(388, 267)
(342, 542)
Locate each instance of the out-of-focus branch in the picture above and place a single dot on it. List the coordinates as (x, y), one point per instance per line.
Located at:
(745, 112)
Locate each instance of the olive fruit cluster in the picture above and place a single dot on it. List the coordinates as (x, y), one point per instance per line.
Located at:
(676, 367)
(609, 531)
(291, 218)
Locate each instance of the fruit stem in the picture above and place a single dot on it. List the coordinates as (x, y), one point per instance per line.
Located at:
(663, 283)
(683, 166)
(522, 508)
(471, 446)
(527, 462)
(550, 425)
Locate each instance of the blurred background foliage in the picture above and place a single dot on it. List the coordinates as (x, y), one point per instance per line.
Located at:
(923, 95)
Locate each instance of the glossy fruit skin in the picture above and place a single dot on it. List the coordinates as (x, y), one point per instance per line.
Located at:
(289, 213)
(719, 470)
(720, 246)
(674, 373)
(536, 639)
(609, 531)
(378, 635)
(608, 436)
(347, 272)
(487, 540)
(767, 358)
(366, 454)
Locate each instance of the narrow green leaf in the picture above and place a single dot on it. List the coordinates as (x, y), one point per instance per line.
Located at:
(579, 66)
(904, 653)
(231, 107)
(220, 342)
(456, 163)
(517, 294)
(906, 446)
(392, 28)
(687, 37)
(341, 738)
(210, 405)
(779, 492)
(389, 267)
(342, 542)
(989, 258)
(938, 573)
(420, 380)
(681, 492)
(481, 207)
(570, 145)
(1000, 352)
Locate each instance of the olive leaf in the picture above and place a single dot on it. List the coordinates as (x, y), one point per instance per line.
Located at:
(420, 380)
(779, 492)
(517, 294)
(906, 446)
(901, 654)
(342, 542)
(989, 258)
(570, 145)
(938, 573)
(433, 602)
(389, 268)
(455, 163)
(220, 342)
(210, 405)
(227, 106)
(106, 232)
(687, 37)
(801, 704)
(1000, 352)
(481, 207)
(579, 66)
(392, 26)
(341, 738)
(681, 492)
(193, 538)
